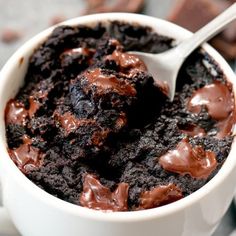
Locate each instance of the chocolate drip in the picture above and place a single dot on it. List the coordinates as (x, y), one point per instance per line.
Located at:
(99, 197)
(186, 159)
(160, 196)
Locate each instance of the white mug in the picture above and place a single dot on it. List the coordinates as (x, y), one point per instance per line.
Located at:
(37, 213)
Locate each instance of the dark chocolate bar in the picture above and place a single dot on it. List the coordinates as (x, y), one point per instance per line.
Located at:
(194, 14)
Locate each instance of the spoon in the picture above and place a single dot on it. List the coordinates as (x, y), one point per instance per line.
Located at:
(165, 66)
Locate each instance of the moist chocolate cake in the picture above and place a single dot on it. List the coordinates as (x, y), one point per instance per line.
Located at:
(91, 127)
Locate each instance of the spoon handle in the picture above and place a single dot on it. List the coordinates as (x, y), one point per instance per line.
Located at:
(207, 32)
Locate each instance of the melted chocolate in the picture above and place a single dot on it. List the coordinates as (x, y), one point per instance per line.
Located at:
(109, 82)
(193, 130)
(216, 97)
(99, 137)
(70, 123)
(218, 100)
(127, 62)
(159, 196)
(186, 159)
(226, 126)
(99, 197)
(115, 43)
(15, 113)
(26, 156)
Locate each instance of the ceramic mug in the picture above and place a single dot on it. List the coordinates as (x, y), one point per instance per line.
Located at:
(37, 213)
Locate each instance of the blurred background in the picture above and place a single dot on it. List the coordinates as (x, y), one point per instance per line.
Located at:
(25, 18)
(22, 19)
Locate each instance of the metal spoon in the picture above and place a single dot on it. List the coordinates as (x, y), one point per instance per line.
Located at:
(165, 66)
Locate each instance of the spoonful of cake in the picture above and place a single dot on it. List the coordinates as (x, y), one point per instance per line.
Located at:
(165, 66)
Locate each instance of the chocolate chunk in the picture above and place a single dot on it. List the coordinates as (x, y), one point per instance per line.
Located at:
(159, 196)
(186, 159)
(99, 197)
(26, 156)
(15, 113)
(194, 14)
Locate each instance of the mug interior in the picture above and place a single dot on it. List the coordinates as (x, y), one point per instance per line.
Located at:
(12, 78)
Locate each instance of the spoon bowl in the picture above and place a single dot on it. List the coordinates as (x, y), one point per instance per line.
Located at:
(165, 66)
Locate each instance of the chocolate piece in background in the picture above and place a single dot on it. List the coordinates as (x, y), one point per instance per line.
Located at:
(194, 14)
(10, 35)
(226, 48)
(98, 6)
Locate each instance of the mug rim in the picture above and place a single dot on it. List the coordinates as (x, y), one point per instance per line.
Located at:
(171, 30)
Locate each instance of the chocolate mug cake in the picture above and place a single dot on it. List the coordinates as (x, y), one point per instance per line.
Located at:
(91, 127)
